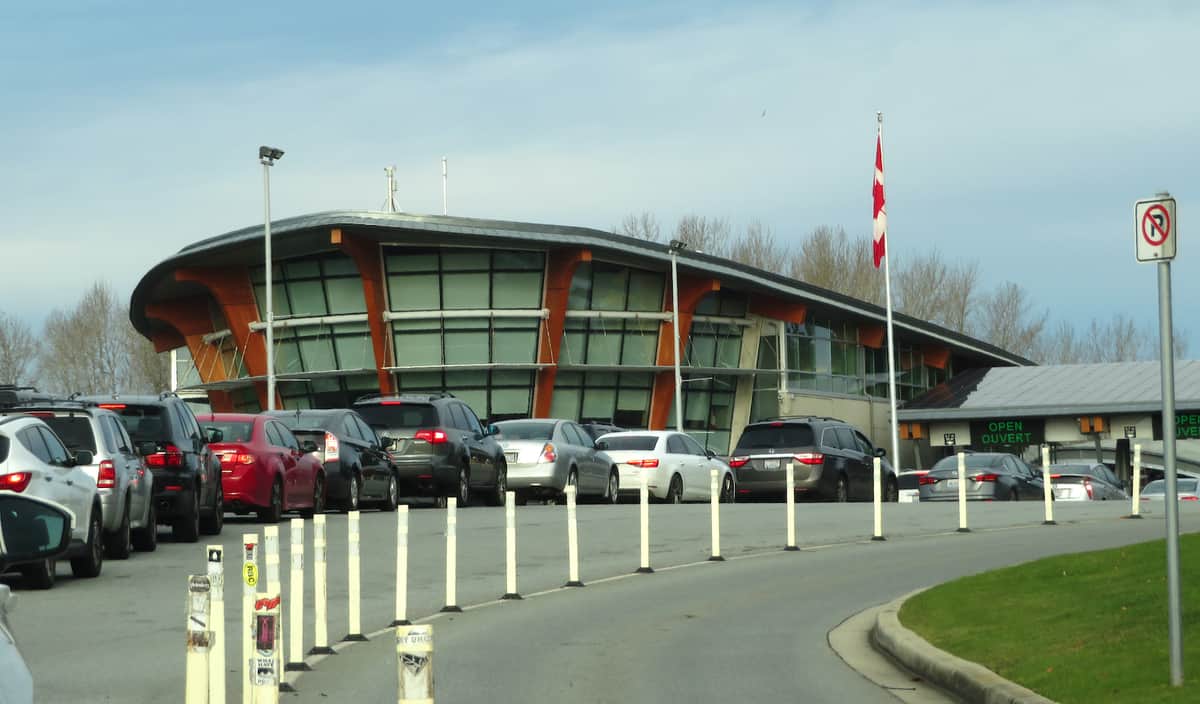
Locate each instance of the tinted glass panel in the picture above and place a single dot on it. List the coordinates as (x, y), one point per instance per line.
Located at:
(973, 462)
(32, 440)
(846, 439)
(29, 528)
(525, 430)
(145, 423)
(632, 442)
(783, 436)
(273, 435)
(232, 431)
(404, 415)
(692, 446)
(58, 453)
(675, 445)
(76, 432)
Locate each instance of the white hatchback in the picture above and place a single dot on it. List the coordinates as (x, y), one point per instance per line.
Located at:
(676, 468)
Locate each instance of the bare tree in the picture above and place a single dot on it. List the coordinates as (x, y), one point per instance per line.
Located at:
(149, 371)
(643, 226)
(18, 351)
(703, 234)
(928, 287)
(1007, 321)
(830, 259)
(758, 247)
(85, 347)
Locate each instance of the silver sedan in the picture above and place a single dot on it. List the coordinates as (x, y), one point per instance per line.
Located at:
(544, 456)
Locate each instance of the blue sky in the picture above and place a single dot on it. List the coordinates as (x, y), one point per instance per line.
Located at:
(1017, 134)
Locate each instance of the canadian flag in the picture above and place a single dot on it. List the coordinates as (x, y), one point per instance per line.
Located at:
(880, 212)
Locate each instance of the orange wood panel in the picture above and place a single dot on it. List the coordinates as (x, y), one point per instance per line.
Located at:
(871, 336)
(561, 266)
(368, 259)
(936, 356)
(691, 291)
(788, 311)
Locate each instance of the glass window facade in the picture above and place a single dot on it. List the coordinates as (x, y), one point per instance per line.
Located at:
(622, 398)
(325, 284)
(329, 392)
(601, 286)
(463, 279)
(708, 410)
(824, 355)
(321, 348)
(493, 395)
(765, 403)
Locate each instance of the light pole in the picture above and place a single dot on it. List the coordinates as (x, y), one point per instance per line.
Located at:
(267, 156)
(676, 247)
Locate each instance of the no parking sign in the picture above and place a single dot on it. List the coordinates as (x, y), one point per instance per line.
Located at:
(1155, 229)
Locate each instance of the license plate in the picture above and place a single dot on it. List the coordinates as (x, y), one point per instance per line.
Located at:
(1060, 493)
(770, 464)
(510, 457)
(951, 485)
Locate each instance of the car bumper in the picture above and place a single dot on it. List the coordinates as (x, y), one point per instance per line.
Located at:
(540, 477)
(425, 477)
(172, 502)
(110, 509)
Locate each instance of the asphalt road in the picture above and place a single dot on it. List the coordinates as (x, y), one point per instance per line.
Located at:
(119, 638)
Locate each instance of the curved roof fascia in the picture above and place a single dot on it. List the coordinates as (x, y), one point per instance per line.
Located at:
(288, 238)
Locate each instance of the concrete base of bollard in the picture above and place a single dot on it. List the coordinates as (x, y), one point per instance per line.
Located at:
(964, 530)
(355, 638)
(400, 622)
(1049, 523)
(644, 570)
(323, 650)
(791, 548)
(715, 558)
(297, 667)
(451, 609)
(878, 538)
(512, 596)
(574, 583)
(1138, 516)
(285, 687)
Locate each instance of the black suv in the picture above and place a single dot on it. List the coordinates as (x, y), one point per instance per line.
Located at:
(439, 446)
(831, 460)
(187, 475)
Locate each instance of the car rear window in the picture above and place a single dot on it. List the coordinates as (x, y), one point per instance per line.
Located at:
(525, 430)
(404, 415)
(75, 432)
(325, 421)
(973, 462)
(632, 442)
(231, 430)
(758, 437)
(3, 448)
(145, 423)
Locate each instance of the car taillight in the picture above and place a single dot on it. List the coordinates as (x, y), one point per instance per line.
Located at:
(736, 462)
(985, 477)
(433, 437)
(170, 457)
(1056, 476)
(927, 480)
(809, 458)
(236, 458)
(113, 406)
(548, 453)
(107, 477)
(646, 464)
(1189, 498)
(17, 481)
(1087, 484)
(331, 447)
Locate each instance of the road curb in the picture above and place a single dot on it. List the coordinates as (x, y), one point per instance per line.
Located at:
(963, 678)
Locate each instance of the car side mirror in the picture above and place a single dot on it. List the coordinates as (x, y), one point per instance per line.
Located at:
(33, 529)
(880, 452)
(386, 442)
(492, 429)
(308, 446)
(82, 458)
(711, 454)
(602, 445)
(214, 435)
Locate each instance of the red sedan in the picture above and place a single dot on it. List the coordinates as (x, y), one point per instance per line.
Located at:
(263, 466)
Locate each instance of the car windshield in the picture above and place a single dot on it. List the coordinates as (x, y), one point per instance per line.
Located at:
(760, 437)
(144, 423)
(231, 430)
(631, 442)
(399, 414)
(74, 431)
(525, 430)
(973, 462)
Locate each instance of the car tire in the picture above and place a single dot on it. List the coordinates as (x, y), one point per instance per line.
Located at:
(497, 496)
(727, 495)
(391, 496)
(1014, 496)
(88, 565)
(614, 487)
(38, 575)
(318, 500)
(841, 490)
(186, 527)
(354, 497)
(145, 539)
(215, 522)
(464, 487)
(675, 491)
(274, 509)
(891, 491)
(118, 544)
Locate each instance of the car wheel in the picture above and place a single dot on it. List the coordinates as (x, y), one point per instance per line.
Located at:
(1014, 496)
(464, 487)
(614, 487)
(274, 510)
(186, 528)
(89, 564)
(145, 538)
(841, 491)
(214, 523)
(497, 498)
(352, 499)
(891, 491)
(38, 575)
(391, 497)
(727, 494)
(318, 499)
(117, 545)
(675, 491)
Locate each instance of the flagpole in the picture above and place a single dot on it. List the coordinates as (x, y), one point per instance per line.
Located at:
(891, 339)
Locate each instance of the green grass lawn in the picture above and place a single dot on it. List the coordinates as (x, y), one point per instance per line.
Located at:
(1088, 628)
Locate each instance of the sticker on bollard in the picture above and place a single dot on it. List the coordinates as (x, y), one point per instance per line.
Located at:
(414, 664)
(250, 574)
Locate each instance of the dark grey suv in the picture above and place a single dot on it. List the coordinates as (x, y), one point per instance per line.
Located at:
(439, 447)
(831, 460)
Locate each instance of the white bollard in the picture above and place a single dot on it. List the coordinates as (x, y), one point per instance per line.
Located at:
(877, 478)
(962, 493)
(714, 495)
(644, 514)
(510, 546)
(789, 500)
(1137, 483)
(414, 664)
(249, 592)
(296, 600)
(354, 567)
(198, 639)
(451, 555)
(264, 665)
(1047, 487)
(272, 577)
(216, 657)
(401, 567)
(572, 539)
(320, 589)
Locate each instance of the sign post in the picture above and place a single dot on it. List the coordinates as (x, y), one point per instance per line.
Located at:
(1156, 232)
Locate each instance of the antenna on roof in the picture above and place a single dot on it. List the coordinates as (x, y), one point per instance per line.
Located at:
(389, 205)
(445, 174)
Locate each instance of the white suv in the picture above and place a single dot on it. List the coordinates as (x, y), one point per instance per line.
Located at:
(34, 462)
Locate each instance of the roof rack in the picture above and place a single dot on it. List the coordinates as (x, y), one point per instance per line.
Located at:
(802, 417)
(162, 396)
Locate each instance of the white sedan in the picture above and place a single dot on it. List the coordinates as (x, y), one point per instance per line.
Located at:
(675, 466)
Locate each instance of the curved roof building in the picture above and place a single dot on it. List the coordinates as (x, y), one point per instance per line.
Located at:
(522, 319)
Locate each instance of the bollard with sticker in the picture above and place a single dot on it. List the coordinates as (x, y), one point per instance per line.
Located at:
(714, 496)
(451, 556)
(1136, 512)
(264, 665)
(401, 567)
(1047, 487)
(272, 577)
(414, 664)
(877, 500)
(353, 541)
(962, 493)
(789, 501)
(199, 639)
(644, 516)
(249, 591)
(216, 658)
(320, 590)
(510, 546)
(572, 539)
(296, 600)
